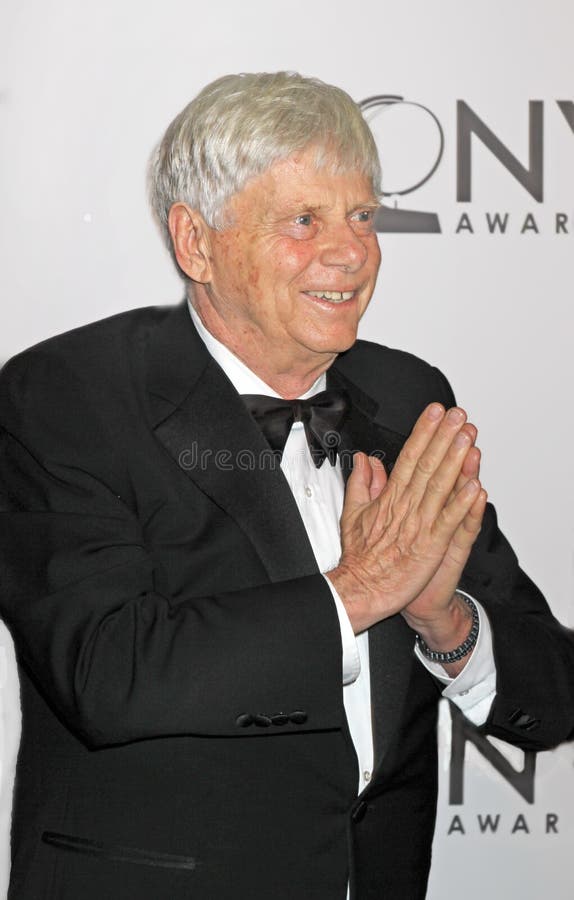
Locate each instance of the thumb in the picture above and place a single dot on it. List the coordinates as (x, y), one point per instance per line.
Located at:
(358, 490)
(378, 477)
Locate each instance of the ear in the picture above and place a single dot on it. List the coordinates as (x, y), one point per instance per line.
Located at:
(190, 239)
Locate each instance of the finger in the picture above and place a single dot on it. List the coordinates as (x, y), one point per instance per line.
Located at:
(448, 432)
(472, 523)
(358, 490)
(469, 469)
(462, 540)
(378, 477)
(468, 530)
(425, 428)
(453, 514)
(471, 464)
(447, 476)
(471, 430)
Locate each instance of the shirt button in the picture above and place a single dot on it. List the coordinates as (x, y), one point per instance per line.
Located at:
(308, 491)
(366, 776)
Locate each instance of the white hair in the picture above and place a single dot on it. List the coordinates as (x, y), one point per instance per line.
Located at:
(239, 125)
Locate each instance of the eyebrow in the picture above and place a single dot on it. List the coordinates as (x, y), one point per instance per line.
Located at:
(301, 208)
(367, 204)
(370, 204)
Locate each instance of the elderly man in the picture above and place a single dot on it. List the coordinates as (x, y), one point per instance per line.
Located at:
(205, 714)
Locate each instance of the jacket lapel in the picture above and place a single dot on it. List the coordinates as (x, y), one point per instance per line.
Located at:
(361, 431)
(202, 422)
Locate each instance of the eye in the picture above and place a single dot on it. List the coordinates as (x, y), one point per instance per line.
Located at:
(305, 219)
(363, 220)
(303, 227)
(364, 216)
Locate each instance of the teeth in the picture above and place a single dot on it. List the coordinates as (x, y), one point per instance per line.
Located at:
(333, 296)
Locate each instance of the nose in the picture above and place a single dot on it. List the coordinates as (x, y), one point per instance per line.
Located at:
(343, 248)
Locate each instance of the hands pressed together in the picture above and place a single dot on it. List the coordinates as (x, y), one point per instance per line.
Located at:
(406, 537)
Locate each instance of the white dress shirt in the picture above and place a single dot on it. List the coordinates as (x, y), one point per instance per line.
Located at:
(319, 494)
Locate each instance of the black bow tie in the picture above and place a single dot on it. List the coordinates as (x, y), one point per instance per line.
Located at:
(321, 415)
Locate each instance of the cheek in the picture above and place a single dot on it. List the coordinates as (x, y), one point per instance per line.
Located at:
(290, 263)
(254, 277)
(296, 253)
(237, 276)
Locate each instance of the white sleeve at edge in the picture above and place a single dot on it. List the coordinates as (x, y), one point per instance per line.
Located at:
(351, 660)
(474, 689)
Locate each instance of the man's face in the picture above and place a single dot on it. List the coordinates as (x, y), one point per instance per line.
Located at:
(294, 272)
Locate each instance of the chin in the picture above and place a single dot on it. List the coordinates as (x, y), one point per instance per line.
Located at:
(343, 341)
(329, 342)
(333, 348)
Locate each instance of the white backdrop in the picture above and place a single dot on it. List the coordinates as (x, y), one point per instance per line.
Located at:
(86, 90)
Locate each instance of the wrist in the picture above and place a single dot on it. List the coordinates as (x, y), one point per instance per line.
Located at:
(353, 597)
(454, 640)
(441, 619)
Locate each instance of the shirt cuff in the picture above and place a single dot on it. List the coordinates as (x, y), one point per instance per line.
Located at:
(351, 659)
(474, 689)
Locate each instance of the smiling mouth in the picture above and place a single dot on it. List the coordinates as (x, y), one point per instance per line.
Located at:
(332, 296)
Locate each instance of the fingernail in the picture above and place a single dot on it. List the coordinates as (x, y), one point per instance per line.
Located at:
(472, 486)
(435, 411)
(462, 439)
(455, 415)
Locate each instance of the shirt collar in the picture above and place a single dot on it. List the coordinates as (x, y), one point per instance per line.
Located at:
(242, 378)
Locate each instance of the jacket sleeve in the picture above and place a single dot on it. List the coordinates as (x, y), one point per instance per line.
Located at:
(533, 652)
(115, 658)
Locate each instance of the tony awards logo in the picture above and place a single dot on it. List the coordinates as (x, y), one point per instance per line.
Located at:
(412, 141)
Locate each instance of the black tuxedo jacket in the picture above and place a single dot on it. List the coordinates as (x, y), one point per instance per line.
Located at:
(183, 726)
